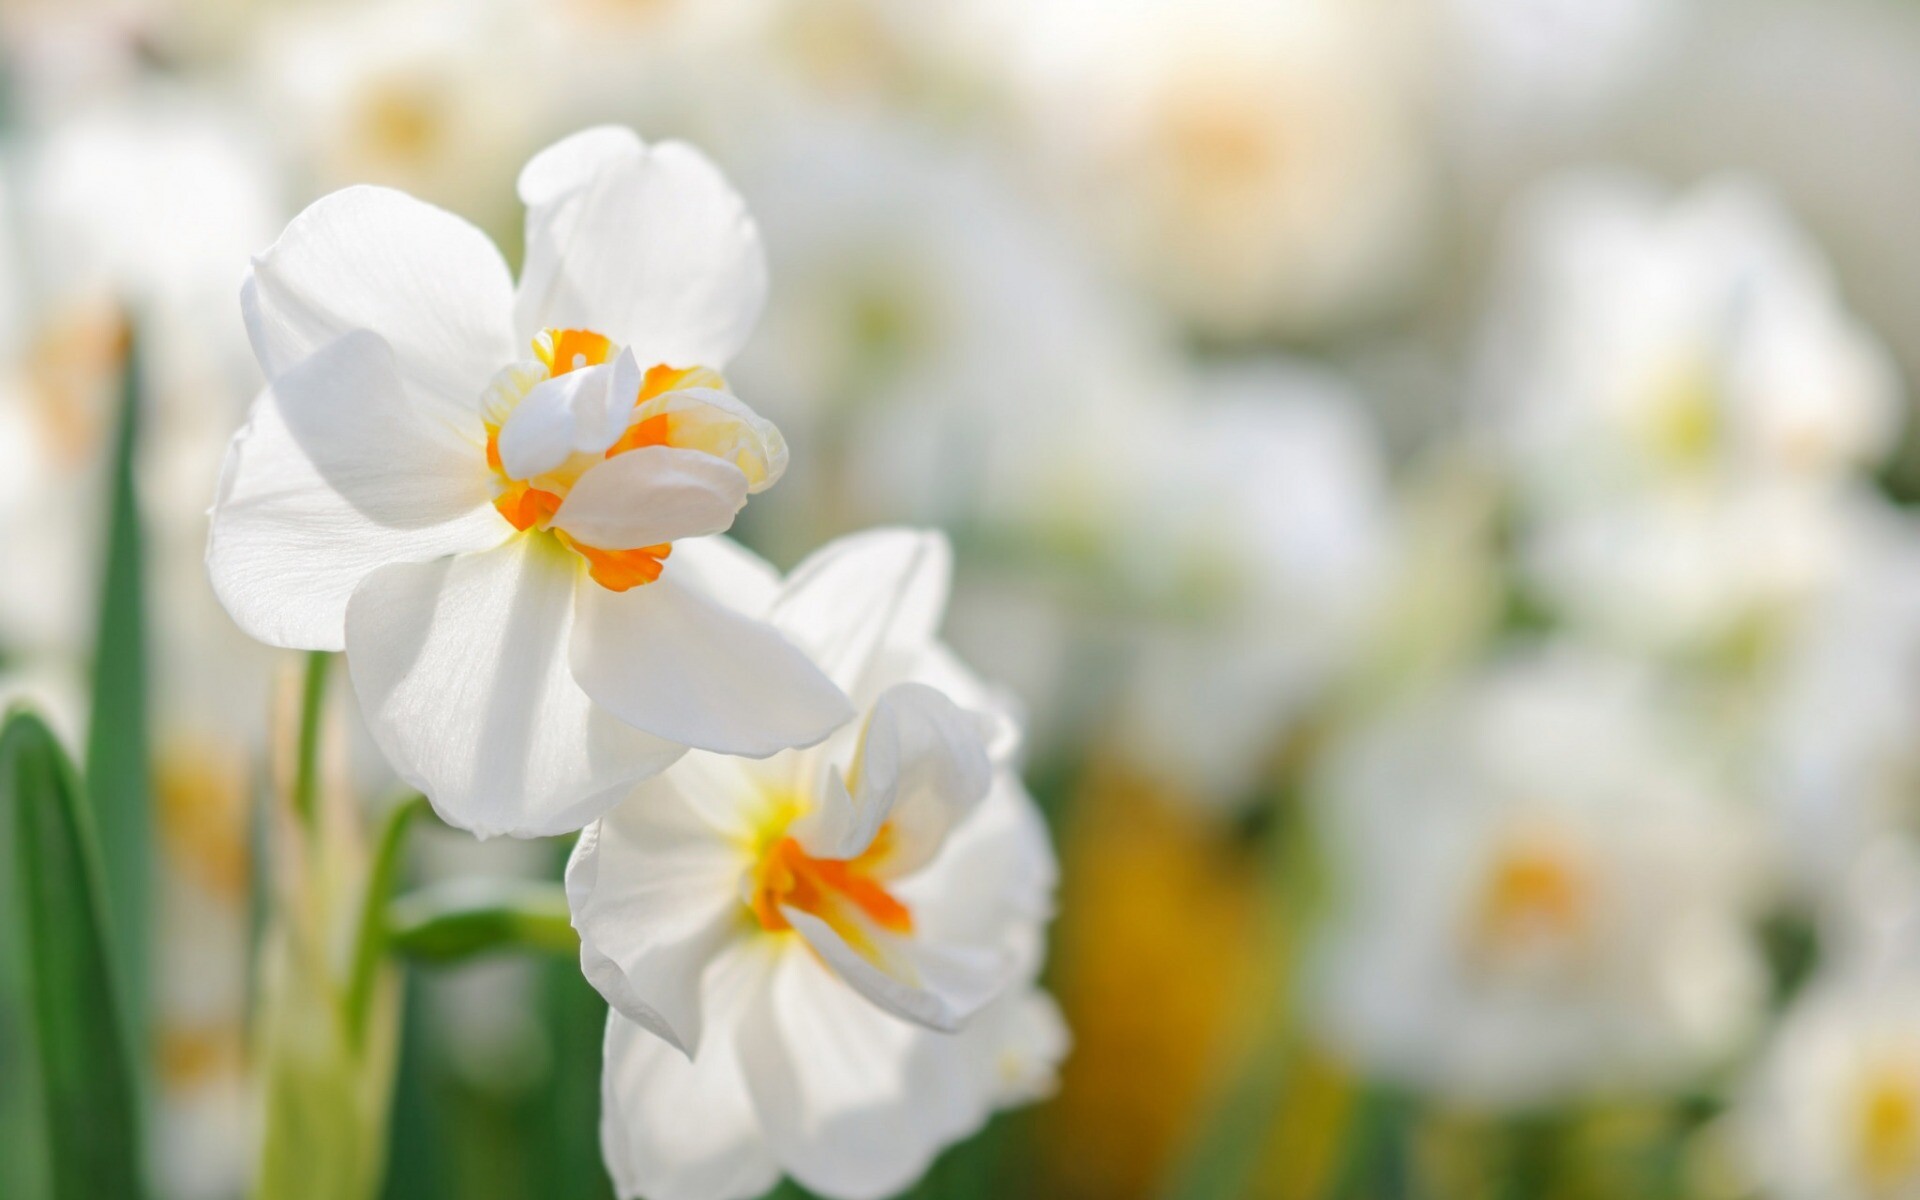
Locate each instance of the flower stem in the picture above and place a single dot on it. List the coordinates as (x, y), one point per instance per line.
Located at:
(371, 940)
(306, 768)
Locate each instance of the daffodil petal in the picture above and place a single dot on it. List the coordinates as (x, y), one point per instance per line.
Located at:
(674, 1129)
(461, 670)
(724, 426)
(653, 888)
(851, 601)
(1013, 1048)
(992, 881)
(371, 258)
(563, 416)
(853, 1102)
(938, 986)
(649, 245)
(652, 495)
(724, 569)
(334, 476)
(920, 769)
(683, 666)
(572, 162)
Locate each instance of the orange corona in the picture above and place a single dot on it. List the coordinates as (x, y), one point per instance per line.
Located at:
(834, 890)
(528, 507)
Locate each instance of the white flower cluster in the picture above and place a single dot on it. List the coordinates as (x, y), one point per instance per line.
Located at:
(808, 879)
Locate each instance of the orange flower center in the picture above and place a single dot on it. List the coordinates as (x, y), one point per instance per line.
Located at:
(528, 504)
(841, 892)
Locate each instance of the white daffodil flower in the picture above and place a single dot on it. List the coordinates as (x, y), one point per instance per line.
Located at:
(1835, 756)
(1258, 167)
(1546, 890)
(475, 490)
(1693, 343)
(822, 964)
(1686, 405)
(1833, 1112)
(1270, 500)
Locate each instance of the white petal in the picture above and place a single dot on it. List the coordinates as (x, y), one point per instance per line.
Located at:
(333, 476)
(992, 882)
(655, 250)
(655, 894)
(724, 426)
(673, 1129)
(572, 162)
(563, 416)
(879, 590)
(915, 979)
(729, 572)
(461, 670)
(1014, 1047)
(854, 1103)
(372, 258)
(671, 661)
(651, 495)
(921, 767)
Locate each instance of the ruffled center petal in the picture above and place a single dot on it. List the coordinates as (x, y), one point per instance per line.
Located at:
(618, 461)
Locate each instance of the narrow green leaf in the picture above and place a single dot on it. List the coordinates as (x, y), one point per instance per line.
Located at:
(91, 1110)
(463, 918)
(117, 750)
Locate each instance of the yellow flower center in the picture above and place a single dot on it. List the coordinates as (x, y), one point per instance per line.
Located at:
(1535, 891)
(530, 504)
(1887, 1132)
(841, 892)
(1682, 424)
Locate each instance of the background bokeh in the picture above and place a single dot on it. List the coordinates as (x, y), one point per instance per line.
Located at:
(1436, 475)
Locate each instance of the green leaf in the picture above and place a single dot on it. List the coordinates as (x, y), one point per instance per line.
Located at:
(464, 918)
(86, 1083)
(117, 750)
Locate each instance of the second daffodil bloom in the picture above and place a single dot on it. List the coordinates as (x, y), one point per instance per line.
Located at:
(493, 499)
(822, 964)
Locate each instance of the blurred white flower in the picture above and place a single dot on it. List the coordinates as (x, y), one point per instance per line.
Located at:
(1836, 754)
(118, 218)
(435, 97)
(1685, 403)
(1640, 340)
(934, 351)
(1267, 508)
(1542, 892)
(1520, 70)
(1257, 165)
(1833, 1112)
(488, 534)
(822, 964)
(1671, 572)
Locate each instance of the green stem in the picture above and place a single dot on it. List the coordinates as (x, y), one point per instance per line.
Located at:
(371, 941)
(306, 770)
(1533, 1149)
(1226, 1156)
(1374, 1159)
